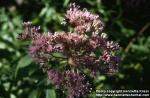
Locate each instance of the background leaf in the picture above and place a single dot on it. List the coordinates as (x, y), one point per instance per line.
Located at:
(23, 62)
(50, 93)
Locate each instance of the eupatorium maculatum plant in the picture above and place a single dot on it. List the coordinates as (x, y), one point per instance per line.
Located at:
(65, 55)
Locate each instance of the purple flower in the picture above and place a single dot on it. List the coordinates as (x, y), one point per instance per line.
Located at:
(112, 45)
(83, 21)
(72, 39)
(85, 47)
(76, 84)
(56, 78)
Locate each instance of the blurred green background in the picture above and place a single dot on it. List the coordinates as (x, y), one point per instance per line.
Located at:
(127, 22)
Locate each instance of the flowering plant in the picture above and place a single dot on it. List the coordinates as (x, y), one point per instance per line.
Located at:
(86, 47)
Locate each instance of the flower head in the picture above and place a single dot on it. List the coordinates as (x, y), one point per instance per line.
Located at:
(83, 20)
(75, 83)
(86, 47)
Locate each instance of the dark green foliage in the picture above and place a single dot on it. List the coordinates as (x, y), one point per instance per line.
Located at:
(127, 23)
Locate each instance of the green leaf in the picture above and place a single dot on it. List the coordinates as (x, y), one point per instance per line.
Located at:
(66, 3)
(34, 94)
(25, 61)
(140, 48)
(59, 55)
(50, 93)
(42, 82)
(43, 12)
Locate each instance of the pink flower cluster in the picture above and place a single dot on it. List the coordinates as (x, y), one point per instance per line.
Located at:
(74, 82)
(83, 20)
(73, 39)
(86, 47)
